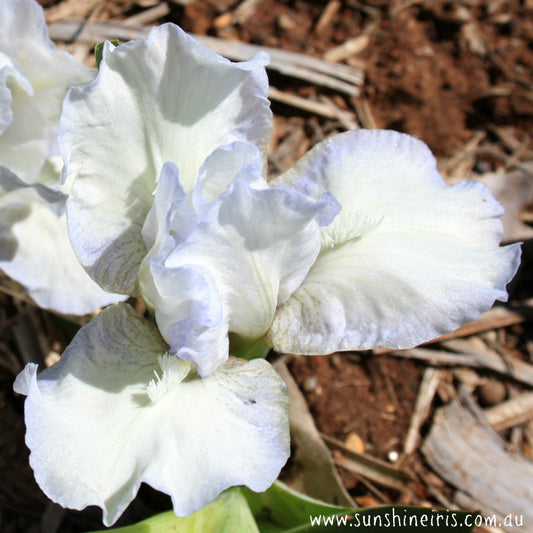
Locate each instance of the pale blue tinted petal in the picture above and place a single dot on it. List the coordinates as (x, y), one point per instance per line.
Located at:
(169, 209)
(190, 314)
(35, 249)
(408, 259)
(227, 163)
(186, 299)
(163, 98)
(251, 250)
(117, 411)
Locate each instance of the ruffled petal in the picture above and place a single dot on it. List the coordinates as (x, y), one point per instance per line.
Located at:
(35, 249)
(34, 78)
(250, 251)
(175, 213)
(169, 209)
(7, 71)
(117, 411)
(239, 160)
(408, 259)
(163, 98)
(190, 314)
(187, 300)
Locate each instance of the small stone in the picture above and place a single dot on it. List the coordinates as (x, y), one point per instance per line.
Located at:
(393, 456)
(492, 392)
(285, 22)
(52, 358)
(367, 501)
(223, 21)
(310, 384)
(354, 443)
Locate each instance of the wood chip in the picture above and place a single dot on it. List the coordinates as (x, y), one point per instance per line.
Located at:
(326, 18)
(71, 9)
(149, 15)
(364, 113)
(347, 49)
(288, 150)
(428, 388)
(245, 10)
(463, 449)
(461, 163)
(325, 109)
(514, 190)
(472, 34)
(516, 369)
(510, 413)
(369, 467)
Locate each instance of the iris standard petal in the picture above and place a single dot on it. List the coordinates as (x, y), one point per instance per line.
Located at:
(408, 259)
(163, 98)
(174, 214)
(253, 248)
(238, 160)
(186, 299)
(169, 209)
(117, 411)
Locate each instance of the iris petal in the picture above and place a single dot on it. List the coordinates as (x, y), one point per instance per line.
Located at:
(35, 249)
(117, 411)
(156, 100)
(408, 259)
(249, 252)
(34, 78)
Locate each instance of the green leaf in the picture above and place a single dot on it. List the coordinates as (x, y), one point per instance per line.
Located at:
(281, 509)
(247, 348)
(229, 513)
(99, 51)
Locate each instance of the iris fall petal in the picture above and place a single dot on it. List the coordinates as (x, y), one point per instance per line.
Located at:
(409, 258)
(117, 411)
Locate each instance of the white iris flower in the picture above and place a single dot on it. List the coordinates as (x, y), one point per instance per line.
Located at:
(34, 244)
(361, 245)
(408, 258)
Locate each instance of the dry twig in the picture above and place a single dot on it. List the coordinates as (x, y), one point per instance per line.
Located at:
(426, 393)
(367, 466)
(342, 78)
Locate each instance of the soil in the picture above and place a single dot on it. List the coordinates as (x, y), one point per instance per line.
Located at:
(436, 70)
(446, 72)
(372, 397)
